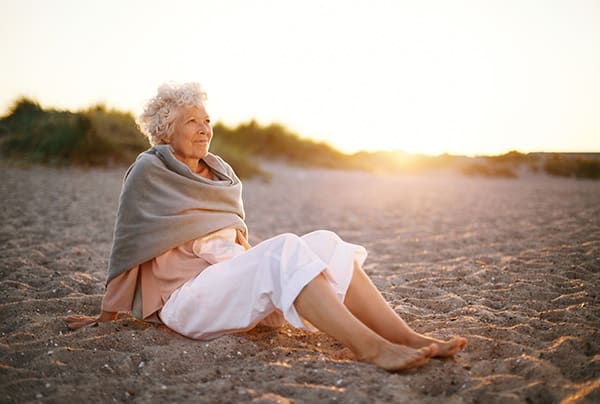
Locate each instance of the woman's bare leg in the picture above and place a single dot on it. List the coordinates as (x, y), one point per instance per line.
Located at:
(318, 304)
(366, 303)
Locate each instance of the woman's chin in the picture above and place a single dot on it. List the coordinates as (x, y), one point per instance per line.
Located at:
(201, 153)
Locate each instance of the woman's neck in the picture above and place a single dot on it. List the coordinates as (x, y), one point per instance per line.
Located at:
(203, 170)
(198, 167)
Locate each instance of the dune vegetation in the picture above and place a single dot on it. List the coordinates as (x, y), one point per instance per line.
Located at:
(94, 137)
(98, 136)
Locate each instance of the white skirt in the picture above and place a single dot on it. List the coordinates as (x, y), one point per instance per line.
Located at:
(236, 294)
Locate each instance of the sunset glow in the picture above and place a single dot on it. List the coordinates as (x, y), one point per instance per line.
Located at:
(463, 77)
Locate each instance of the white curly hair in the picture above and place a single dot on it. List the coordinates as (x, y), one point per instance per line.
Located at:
(156, 122)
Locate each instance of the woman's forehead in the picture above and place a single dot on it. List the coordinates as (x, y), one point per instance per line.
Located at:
(196, 110)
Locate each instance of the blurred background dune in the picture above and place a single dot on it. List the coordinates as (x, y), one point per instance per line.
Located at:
(99, 136)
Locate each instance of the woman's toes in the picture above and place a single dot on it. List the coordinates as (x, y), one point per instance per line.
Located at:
(433, 350)
(459, 343)
(453, 346)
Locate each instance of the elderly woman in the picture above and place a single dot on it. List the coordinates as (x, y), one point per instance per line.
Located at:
(180, 254)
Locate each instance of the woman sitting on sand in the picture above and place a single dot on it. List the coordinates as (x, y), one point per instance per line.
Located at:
(180, 254)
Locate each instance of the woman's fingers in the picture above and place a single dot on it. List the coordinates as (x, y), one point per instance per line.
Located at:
(76, 321)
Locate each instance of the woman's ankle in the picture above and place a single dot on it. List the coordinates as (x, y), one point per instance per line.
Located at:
(367, 352)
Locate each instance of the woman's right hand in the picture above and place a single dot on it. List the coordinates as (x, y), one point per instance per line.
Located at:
(77, 321)
(241, 240)
(273, 320)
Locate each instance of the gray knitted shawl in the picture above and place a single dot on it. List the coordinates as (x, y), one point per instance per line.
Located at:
(163, 205)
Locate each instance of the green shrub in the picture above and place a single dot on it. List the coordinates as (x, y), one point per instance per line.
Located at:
(112, 137)
(51, 137)
(578, 167)
(239, 159)
(587, 168)
(23, 116)
(276, 142)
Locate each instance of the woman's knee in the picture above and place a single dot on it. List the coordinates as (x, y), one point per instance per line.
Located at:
(286, 238)
(323, 233)
(285, 241)
(320, 234)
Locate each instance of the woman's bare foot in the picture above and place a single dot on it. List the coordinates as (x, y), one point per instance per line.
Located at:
(446, 349)
(394, 357)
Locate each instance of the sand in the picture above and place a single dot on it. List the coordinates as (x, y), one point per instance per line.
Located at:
(512, 264)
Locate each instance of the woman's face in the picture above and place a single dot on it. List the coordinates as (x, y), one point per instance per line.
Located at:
(191, 134)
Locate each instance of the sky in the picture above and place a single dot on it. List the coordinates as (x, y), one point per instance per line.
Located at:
(422, 76)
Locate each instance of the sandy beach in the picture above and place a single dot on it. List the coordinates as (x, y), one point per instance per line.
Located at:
(511, 264)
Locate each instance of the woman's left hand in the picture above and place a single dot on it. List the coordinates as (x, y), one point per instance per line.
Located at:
(77, 321)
